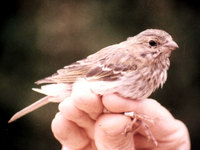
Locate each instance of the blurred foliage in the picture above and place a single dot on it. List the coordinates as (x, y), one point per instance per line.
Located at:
(38, 37)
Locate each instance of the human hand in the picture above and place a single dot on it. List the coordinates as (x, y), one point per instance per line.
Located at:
(82, 125)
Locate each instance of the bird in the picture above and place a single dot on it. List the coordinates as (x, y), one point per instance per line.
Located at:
(132, 69)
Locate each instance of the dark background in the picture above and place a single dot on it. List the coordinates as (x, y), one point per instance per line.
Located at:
(38, 37)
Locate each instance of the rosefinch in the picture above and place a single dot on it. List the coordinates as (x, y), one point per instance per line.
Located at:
(133, 68)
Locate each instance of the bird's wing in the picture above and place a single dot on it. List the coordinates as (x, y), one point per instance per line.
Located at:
(107, 64)
(68, 74)
(112, 67)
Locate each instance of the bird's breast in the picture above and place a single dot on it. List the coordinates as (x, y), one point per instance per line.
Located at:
(141, 83)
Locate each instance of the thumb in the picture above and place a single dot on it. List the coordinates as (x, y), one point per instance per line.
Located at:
(111, 132)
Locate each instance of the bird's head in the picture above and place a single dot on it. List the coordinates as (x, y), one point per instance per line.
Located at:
(153, 44)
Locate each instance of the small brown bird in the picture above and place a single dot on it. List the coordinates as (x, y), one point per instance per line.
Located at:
(133, 69)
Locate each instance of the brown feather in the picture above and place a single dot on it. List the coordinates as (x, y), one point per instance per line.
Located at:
(96, 67)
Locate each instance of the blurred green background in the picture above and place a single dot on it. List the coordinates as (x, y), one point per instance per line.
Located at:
(39, 37)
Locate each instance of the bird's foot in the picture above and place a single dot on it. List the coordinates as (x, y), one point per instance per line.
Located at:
(139, 122)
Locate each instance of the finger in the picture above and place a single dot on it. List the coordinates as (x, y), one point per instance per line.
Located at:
(176, 136)
(72, 113)
(91, 146)
(68, 133)
(177, 139)
(142, 143)
(150, 107)
(85, 100)
(165, 129)
(111, 132)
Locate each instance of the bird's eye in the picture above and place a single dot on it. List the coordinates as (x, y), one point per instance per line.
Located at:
(152, 43)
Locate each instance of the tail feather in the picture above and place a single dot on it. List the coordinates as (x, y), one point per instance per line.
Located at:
(45, 81)
(43, 101)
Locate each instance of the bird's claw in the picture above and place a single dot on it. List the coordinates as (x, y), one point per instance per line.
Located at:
(139, 121)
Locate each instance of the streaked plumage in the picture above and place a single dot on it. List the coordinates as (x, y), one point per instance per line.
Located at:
(133, 68)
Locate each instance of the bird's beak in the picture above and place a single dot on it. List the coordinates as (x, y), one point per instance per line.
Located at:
(171, 45)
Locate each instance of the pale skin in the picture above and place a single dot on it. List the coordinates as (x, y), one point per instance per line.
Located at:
(81, 124)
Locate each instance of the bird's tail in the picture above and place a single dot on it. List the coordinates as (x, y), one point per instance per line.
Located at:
(43, 101)
(54, 93)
